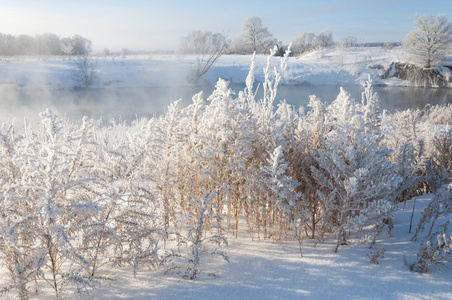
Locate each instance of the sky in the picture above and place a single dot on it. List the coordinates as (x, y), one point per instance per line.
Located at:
(159, 25)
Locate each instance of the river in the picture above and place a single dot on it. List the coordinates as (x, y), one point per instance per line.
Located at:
(129, 103)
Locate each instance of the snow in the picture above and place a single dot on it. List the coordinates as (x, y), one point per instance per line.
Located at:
(266, 270)
(324, 67)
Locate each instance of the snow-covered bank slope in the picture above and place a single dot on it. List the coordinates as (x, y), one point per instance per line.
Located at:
(325, 67)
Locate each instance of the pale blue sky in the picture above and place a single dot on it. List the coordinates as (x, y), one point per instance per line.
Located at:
(148, 25)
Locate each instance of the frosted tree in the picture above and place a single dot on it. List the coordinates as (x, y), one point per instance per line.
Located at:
(324, 39)
(303, 42)
(428, 44)
(349, 41)
(257, 38)
(77, 45)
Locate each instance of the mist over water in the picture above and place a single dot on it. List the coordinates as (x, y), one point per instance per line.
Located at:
(128, 104)
(121, 104)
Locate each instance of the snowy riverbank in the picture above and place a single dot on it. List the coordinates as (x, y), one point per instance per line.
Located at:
(325, 67)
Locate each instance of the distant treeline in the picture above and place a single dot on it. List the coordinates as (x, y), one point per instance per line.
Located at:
(43, 44)
(380, 44)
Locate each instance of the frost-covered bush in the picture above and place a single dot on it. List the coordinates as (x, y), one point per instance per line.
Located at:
(283, 196)
(200, 217)
(376, 255)
(356, 180)
(440, 206)
(442, 156)
(436, 252)
(438, 248)
(405, 134)
(73, 200)
(44, 203)
(356, 187)
(439, 114)
(404, 127)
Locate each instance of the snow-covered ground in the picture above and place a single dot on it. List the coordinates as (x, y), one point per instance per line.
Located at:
(263, 270)
(266, 270)
(325, 67)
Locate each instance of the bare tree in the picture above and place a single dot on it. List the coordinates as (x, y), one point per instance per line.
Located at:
(124, 52)
(303, 42)
(324, 39)
(48, 44)
(7, 44)
(207, 47)
(236, 46)
(429, 42)
(388, 45)
(299, 43)
(84, 69)
(107, 52)
(25, 45)
(349, 41)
